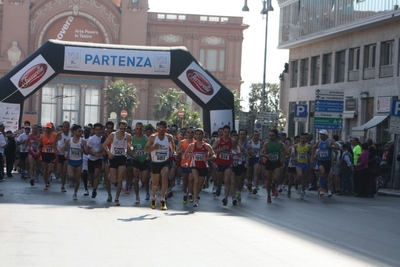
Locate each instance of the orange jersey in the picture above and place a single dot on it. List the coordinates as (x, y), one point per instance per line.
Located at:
(48, 143)
(185, 145)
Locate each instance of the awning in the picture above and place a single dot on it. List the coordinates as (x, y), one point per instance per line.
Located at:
(371, 123)
(349, 114)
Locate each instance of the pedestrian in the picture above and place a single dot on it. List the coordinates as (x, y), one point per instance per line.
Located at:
(346, 169)
(361, 180)
(9, 153)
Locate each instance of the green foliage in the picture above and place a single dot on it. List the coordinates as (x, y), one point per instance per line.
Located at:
(190, 117)
(120, 96)
(166, 103)
(237, 103)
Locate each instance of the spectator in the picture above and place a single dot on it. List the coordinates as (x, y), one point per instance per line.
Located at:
(361, 181)
(9, 152)
(356, 149)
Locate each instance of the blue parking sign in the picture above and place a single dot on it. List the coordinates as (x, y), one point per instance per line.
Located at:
(300, 113)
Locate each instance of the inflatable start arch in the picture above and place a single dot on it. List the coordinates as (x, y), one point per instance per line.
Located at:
(174, 63)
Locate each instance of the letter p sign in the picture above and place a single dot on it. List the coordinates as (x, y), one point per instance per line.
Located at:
(395, 108)
(300, 113)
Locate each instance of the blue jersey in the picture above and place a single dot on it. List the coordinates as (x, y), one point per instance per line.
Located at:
(324, 151)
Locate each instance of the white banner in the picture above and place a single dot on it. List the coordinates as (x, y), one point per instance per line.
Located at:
(32, 75)
(199, 82)
(117, 61)
(9, 114)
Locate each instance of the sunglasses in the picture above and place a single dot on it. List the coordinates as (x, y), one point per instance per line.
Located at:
(122, 128)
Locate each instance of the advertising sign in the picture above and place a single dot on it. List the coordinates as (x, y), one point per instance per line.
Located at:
(220, 118)
(117, 61)
(9, 114)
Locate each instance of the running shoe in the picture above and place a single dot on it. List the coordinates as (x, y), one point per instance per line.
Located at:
(302, 195)
(269, 199)
(86, 193)
(280, 188)
(63, 189)
(214, 192)
(195, 204)
(94, 193)
(239, 197)
(153, 204)
(190, 198)
(225, 201)
(147, 197)
(137, 201)
(234, 201)
(127, 191)
(184, 200)
(298, 190)
(46, 187)
(289, 194)
(218, 191)
(74, 197)
(254, 190)
(116, 202)
(329, 193)
(109, 199)
(276, 193)
(170, 194)
(163, 205)
(32, 182)
(249, 187)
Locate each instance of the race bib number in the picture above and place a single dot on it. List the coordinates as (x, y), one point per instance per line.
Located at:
(323, 153)
(235, 161)
(140, 152)
(274, 156)
(161, 156)
(199, 156)
(119, 151)
(302, 156)
(75, 152)
(224, 156)
(49, 149)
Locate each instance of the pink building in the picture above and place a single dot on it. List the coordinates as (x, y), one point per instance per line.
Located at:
(216, 41)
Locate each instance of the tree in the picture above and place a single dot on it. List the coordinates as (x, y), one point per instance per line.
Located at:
(166, 103)
(271, 103)
(120, 96)
(190, 117)
(237, 103)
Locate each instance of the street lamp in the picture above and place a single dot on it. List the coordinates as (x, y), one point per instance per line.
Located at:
(181, 113)
(267, 6)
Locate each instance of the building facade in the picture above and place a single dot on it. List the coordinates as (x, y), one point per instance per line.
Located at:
(350, 45)
(216, 41)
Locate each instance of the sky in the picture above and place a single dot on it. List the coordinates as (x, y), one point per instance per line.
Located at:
(254, 36)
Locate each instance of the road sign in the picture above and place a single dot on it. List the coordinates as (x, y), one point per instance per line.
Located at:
(300, 113)
(124, 113)
(329, 109)
(268, 118)
(395, 117)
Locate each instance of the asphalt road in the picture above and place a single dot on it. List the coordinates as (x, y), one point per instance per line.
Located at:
(48, 228)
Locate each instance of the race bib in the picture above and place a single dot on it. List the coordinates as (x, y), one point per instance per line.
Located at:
(224, 155)
(199, 156)
(75, 152)
(161, 156)
(302, 156)
(119, 151)
(49, 149)
(140, 152)
(274, 156)
(323, 153)
(235, 161)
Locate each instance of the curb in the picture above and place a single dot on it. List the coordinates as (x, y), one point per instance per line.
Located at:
(388, 194)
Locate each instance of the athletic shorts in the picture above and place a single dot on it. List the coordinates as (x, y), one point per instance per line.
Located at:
(222, 168)
(23, 155)
(238, 170)
(141, 165)
(94, 164)
(302, 166)
(61, 159)
(33, 155)
(185, 170)
(291, 169)
(156, 167)
(48, 157)
(117, 161)
(253, 161)
(129, 162)
(327, 165)
(272, 165)
(75, 163)
(202, 172)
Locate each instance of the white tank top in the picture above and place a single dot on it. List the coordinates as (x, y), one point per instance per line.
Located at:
(75, 149)
(162, 154)
(61, 142)
(256, 148)
(119, 147)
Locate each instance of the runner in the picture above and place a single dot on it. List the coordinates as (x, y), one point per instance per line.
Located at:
(291, 169)
(95, 152)
(34, 154)
(140, 161)
(75, 146)
(48, 147)
(302, 151)
(85, 174)
(22, 141)
(61, 138)
(120, 146)
(245, 155)
(108, 131)
(254, 146)
(201, 153)
(159, 145)
(272, 151)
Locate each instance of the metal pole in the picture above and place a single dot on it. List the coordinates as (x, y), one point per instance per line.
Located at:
(265, 71)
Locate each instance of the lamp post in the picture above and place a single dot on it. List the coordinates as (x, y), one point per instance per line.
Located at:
(181, 113)
(266, 8)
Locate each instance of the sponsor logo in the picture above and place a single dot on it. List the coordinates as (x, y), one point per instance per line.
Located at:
(32, 76)
(199, 82)
(6, 119)
(64, 28)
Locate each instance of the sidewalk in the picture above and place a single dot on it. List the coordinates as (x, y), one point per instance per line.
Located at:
(388, 193)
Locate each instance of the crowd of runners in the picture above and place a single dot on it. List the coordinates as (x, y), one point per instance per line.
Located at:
(158, 158)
